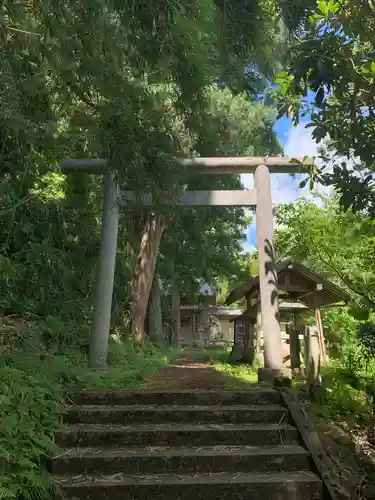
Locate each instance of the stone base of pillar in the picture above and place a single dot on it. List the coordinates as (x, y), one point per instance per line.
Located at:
(275, 377)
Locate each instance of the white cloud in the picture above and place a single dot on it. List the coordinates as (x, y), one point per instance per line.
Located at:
(285, 188)
(248, 247)
(300, 142)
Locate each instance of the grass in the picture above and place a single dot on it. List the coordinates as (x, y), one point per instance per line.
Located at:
(127, 366)
(34, 382)
(239, 374)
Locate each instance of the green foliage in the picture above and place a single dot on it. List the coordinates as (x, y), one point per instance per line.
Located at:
(340, 328)
(366, 338)
(236, 376)
(295, 14)
(34, 382)
(128, 366)
(345, 398)
(334, 57)
(216, 355)
(30, 405)
(132, 83)
(51, 232)
(345, 404)
(231, 126)
(344, 420)
(338, 245)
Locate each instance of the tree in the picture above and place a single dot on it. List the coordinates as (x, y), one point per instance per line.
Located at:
(81, 90)
(205, 243)
(232, 125)
(334, 57)
(338, 245)
(143, 276)
(154, 316)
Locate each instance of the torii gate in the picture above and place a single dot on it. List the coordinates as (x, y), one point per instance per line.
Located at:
(259, 197)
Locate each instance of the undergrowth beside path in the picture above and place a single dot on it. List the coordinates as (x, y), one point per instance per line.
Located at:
(344, 419)
(34, 382)
(239, 373)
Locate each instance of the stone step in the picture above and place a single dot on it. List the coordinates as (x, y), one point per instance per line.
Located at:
(204, 459)
(87, 435)
(256, 396)
(224, 486)
(123, 414)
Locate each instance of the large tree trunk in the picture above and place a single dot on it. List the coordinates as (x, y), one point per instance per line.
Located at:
(154, 316)
(143, 275)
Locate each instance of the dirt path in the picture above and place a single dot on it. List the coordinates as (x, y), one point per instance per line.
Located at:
(190, 371)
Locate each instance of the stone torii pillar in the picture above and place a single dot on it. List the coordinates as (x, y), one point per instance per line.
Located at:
(268, 286)
(98, 345)
(105, 272)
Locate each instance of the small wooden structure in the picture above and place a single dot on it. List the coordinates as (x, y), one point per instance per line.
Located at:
(300, 290)
(207, 325)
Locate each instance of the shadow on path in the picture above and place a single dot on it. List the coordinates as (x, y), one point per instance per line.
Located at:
(191, 371)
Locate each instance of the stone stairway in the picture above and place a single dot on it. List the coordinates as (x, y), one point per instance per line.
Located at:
(183, 445)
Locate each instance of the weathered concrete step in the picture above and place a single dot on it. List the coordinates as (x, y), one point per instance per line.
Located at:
(168, 459)
(275, 486)
(122, 414)
(255, 396)
(176, 435)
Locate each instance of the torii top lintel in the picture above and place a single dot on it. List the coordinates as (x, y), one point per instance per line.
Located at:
(199, 165)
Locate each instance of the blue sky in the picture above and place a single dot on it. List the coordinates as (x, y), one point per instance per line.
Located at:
(297, 141)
